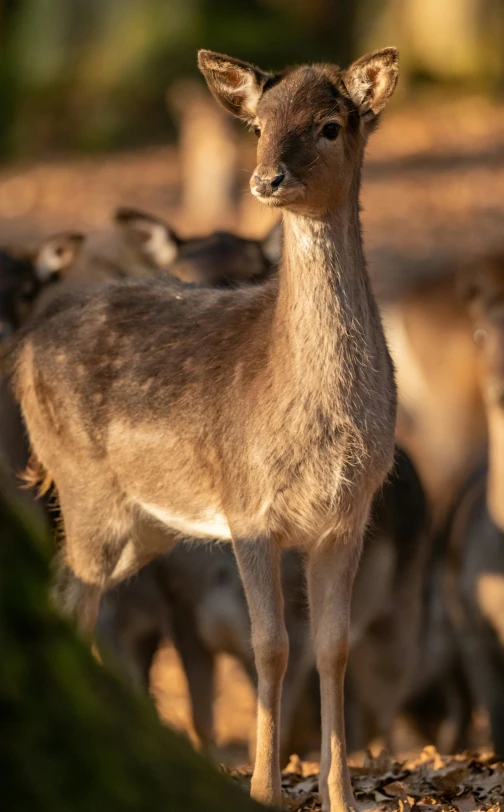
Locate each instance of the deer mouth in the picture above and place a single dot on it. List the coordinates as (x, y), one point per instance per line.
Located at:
(290, 192)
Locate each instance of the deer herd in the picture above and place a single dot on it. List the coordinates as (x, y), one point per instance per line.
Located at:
(241, 391)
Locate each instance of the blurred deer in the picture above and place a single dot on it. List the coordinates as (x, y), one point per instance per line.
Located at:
(25, 273)
(194, 597)
(441, 419)
(219, 259)
(264, 415)
(24, 276)
(476, 533)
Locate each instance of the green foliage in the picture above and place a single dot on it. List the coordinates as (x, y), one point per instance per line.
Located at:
(92, 74)
(73, 737)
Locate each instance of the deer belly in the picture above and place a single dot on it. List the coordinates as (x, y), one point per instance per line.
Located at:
(210, 524)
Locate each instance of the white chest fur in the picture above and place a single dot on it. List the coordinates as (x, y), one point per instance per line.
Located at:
(206, 525)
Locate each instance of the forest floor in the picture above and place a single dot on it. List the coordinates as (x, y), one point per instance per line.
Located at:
(418, 779)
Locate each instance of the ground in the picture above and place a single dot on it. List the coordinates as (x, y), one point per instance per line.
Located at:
(418, 780)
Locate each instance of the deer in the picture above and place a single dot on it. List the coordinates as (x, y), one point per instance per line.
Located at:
(25, 276)
(475, 533)
(32, 277)
(219, 259)
(441, 418)
(193, 597)
(263, 415)
(25, 273)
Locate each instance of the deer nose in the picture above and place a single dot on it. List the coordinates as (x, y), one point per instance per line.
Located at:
(268, 185)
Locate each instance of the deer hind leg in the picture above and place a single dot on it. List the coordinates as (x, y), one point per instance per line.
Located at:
(295, 687)
(199, 668)
(331, 568)
(259, 563)
(94, 552)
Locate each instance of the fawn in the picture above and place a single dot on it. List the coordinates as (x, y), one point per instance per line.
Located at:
(476, 532)
(220, 259)
(25, 275)
(264, 415)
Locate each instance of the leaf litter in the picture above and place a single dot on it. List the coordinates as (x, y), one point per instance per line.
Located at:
(468, 782)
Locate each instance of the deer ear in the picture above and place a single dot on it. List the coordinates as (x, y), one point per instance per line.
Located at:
(237, 85)
(371, 80)
(272, 244)
(154, 240)
(56, 254)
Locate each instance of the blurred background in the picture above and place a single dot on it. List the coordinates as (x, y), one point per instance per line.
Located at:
(101, 105)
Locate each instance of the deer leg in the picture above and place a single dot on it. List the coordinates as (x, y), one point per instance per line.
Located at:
(259, 563)
(95, 549)
(199, 667)
(76, 599)
(331, 570)
(295, 689)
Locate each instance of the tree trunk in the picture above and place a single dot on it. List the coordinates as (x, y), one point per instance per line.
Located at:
(73, 737)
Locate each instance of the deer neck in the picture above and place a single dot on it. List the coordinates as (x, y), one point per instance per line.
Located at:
(325, 312)
(495, 487)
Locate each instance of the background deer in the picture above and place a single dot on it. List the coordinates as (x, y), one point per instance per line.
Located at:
(265, 414)
(194, 597)
(220, 259)
(25, 275)
(441, 418)
(476, 532)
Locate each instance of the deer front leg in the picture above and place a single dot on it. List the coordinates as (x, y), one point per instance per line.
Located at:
(331, 570)
(259, 563)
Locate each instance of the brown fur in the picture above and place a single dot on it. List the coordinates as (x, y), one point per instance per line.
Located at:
(25, 276)
(35, 476)
(265, 412)
(199, 588)
(476, 533)
(219, 259)
(441, 420)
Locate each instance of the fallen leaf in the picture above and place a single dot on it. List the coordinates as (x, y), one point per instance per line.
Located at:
(396, 789)
(467, 803)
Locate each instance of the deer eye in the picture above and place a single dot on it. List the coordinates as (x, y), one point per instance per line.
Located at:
(330, 131)
(257, 130)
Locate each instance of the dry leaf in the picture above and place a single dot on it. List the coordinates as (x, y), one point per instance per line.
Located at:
(467, 803)
(308, 785)
(396, 789)
(430, 783)
(294, 765)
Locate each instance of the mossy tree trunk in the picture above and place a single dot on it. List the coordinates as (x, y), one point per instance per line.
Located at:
(72, 737)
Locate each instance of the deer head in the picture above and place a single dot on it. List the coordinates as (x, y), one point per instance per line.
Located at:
(24, 274)
(482, 288)
(312, 123)
(220, 259)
